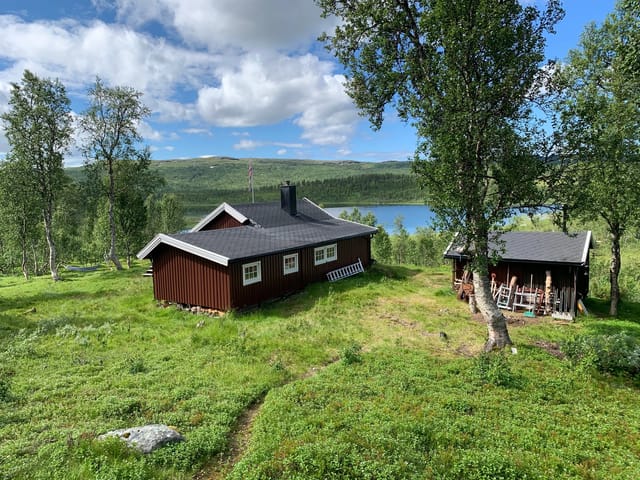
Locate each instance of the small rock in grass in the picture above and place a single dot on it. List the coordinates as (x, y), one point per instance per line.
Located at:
(147, 438)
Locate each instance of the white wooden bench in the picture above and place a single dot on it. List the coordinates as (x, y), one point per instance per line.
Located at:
(345, 272)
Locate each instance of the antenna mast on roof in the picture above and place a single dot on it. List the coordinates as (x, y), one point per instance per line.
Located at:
(253, 196)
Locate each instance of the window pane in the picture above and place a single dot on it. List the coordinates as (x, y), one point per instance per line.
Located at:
(290, 263)
(251, 273)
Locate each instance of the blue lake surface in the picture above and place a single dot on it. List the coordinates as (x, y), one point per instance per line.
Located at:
(413, 216)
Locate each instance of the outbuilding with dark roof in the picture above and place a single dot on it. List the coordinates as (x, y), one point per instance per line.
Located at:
(242, 255)
(534, 258)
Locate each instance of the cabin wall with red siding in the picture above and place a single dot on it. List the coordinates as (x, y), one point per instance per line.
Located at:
(224, 220)
(348, 252)
(181, 277)
(275, 284)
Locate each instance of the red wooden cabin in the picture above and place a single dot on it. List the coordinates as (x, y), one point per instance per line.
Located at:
(243, 255)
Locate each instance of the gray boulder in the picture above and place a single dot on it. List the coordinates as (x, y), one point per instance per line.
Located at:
(146, 438)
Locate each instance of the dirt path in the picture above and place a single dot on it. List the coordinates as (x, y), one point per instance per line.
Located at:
(220, 466)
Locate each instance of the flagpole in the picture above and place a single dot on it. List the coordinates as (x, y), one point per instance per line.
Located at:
(253, 197)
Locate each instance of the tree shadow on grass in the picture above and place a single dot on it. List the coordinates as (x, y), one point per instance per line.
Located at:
(71, 287)
(26, 304)
(628, 319)
(380, 271)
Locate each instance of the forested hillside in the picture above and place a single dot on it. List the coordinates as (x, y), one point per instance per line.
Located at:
(203, 183)
(168, 196)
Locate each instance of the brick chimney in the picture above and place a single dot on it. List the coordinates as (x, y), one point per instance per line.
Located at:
(288, 198)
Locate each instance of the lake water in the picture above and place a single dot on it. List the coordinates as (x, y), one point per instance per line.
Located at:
(413, 216)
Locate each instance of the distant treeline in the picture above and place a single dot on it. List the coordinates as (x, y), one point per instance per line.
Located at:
(366, 189)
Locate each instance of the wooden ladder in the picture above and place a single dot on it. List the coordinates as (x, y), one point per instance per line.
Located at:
(345, 272)
(504, 297)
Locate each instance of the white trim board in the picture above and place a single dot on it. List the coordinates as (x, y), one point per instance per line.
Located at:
(185, 247)
(223, 207)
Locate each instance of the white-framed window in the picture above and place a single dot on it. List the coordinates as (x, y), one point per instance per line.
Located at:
(325, 254)
(331, 253)
(290, 263)
(251, 273)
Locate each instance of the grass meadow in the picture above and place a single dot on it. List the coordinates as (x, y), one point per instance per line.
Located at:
(379, 376)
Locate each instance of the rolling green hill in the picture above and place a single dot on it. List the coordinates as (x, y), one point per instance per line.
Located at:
(232, 173)
(345, 380)
(203, 183)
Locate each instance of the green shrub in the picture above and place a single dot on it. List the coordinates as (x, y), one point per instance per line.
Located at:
(617, 354)
(332, 458)
(201, 445)
(120, 408)
(198, 340)
(487, 465)
(51, 325)
(351, 354)
(135, 364)
(5, 386)
(83, 335)
(24, 345)
(109, 459)
(459, 406)
(444, 292)
(494, 368)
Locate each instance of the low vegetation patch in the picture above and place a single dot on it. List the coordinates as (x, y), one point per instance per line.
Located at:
(617, 354)
(378, 376)
(401, 414)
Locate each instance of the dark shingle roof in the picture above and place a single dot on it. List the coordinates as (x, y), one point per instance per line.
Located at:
(272, 230)
(536, 247)
(270, 215)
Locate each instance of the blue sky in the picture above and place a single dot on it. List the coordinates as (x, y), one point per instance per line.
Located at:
(239, 78)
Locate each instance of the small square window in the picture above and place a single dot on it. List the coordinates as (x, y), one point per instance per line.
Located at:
(331, 253)
(319, 256)
(251, 273)
(290, 263)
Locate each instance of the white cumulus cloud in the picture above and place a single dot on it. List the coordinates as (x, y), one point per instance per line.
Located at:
(246, 144)
(202, 63)
(76, 53)
(247, 24)
(269, 89)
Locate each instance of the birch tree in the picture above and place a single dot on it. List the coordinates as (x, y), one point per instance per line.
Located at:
(110, 125)
(19, 210)
(38, 128)
(135, 182)
(464, 74)
(599, 128)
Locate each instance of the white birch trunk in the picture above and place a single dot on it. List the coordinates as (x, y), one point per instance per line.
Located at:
(113, 256)
(53, 267)
(496, 321)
